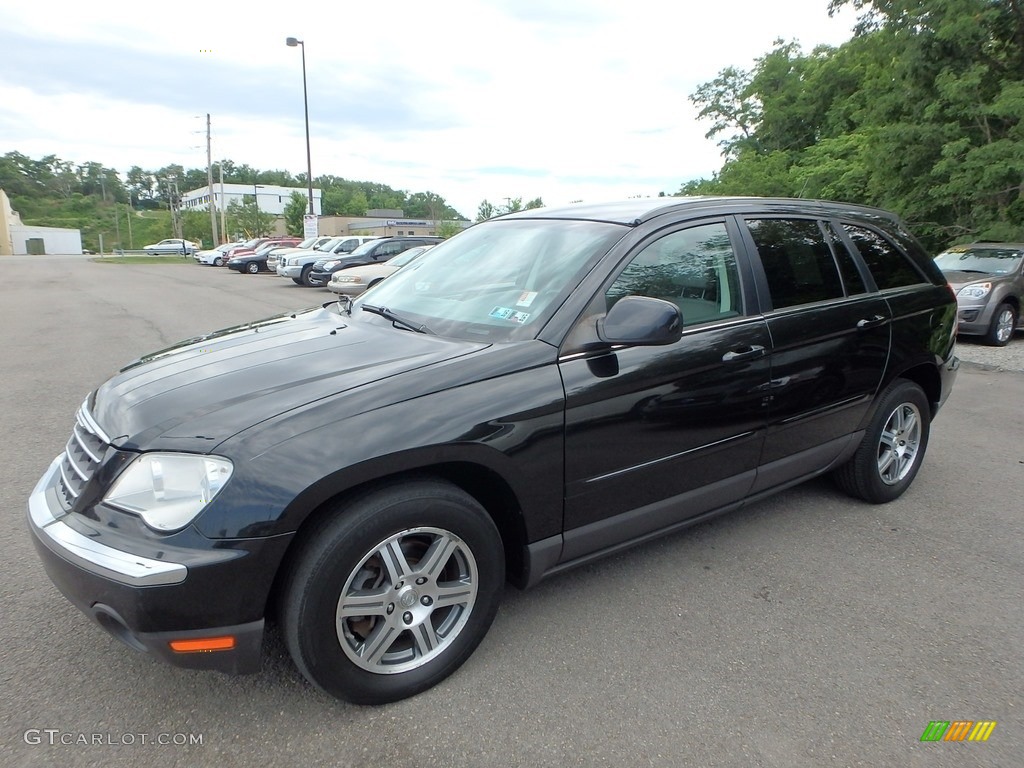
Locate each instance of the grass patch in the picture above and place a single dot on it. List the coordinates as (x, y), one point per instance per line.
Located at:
(143, 260)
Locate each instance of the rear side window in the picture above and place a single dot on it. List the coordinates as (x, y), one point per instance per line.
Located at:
(888, 265)
(797, 261)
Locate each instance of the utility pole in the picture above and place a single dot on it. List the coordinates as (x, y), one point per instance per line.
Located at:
(223, 203)
(209, 186)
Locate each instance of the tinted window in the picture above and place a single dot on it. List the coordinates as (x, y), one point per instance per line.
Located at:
(847, 266)
(797, 261)
(695, 269)
(888, 265)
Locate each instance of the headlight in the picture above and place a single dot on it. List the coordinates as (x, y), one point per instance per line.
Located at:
(168, 490)
(975, 291)
(342, 278)
(329, 265)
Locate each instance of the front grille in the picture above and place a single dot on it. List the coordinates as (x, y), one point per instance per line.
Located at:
(82, 455)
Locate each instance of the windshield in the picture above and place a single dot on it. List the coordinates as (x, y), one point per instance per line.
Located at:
(497, 281)
(991, 261)
(332, 243)
(404, 258)
(252, 243)
(369, 245)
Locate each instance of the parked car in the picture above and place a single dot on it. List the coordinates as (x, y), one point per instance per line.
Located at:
(215, 256)
(249, 246)
(375, 252)
(989, 282)
(172, 245)
(305, 245)
(542, 389)
(256, 261)
(355, 280)
(297, 266)
(262, 243)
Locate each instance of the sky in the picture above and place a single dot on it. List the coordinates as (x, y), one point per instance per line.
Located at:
(470, 99)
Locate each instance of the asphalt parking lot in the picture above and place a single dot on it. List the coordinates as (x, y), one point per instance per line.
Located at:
(808, 630)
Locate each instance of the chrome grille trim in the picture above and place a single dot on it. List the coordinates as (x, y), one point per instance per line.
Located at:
(90, 424)
(82, 455)
(81, 442)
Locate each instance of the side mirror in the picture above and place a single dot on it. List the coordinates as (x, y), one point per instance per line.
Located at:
(641, 321)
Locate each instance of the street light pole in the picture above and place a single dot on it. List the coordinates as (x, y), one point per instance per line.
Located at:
(292, 42)
(258, 230)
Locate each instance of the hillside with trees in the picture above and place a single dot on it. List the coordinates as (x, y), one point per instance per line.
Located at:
(921, 112)
(135, 210)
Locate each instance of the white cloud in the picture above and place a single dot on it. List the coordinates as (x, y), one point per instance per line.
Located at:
(472, 100)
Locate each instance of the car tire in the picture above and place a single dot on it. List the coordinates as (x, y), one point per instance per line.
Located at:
(297, 280)
(252, 267)
(1000, 330)
(392, 593)
(218, 262)
(893, 447)
(304, 278)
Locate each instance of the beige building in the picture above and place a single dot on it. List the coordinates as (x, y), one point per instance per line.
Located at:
(383, 222)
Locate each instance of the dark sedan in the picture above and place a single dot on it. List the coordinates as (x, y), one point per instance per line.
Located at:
(256, 261)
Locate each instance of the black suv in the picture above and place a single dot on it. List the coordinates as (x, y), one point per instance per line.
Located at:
(540, 390)
(373, 252)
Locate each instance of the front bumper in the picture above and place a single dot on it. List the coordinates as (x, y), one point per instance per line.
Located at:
(290, 271)
(148, 602)
(974, 319)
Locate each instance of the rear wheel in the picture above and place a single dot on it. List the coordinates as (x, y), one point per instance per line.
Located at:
(893, 447)
(392, 594)
(1000, 330)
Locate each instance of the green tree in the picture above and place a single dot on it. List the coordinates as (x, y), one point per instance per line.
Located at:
(294, 213)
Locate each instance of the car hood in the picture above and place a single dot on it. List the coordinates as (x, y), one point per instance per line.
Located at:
(958, 280)
(198, 393)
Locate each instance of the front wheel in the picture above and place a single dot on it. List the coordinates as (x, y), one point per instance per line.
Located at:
(1000, 331)
(392, 593)
(218, 262)
(252, 267)
(304, 279)
(893, 447)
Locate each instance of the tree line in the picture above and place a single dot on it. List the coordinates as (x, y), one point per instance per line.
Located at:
(920, 112)
(145, 189)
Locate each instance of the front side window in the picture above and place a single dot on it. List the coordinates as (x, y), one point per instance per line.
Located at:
(797, 261)
(694, 268)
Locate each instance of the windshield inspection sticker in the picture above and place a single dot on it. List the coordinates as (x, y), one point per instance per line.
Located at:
(526, 298)
(504, 313)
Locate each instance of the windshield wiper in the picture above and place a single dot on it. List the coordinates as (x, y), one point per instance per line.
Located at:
(397, 320)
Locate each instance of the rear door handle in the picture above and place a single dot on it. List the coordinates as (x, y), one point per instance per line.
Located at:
(743, 353)
(871, 322)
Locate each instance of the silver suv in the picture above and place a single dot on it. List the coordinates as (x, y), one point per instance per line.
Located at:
(988, 279)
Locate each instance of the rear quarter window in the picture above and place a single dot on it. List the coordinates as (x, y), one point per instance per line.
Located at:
(888, 264)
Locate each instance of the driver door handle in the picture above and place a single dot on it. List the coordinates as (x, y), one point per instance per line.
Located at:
(871, 322)
(748, 352)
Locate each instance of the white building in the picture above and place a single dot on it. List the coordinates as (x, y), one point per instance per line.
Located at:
(17, 239)
(271, 198)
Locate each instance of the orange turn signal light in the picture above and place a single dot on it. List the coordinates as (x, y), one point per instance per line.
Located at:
(225, 643)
